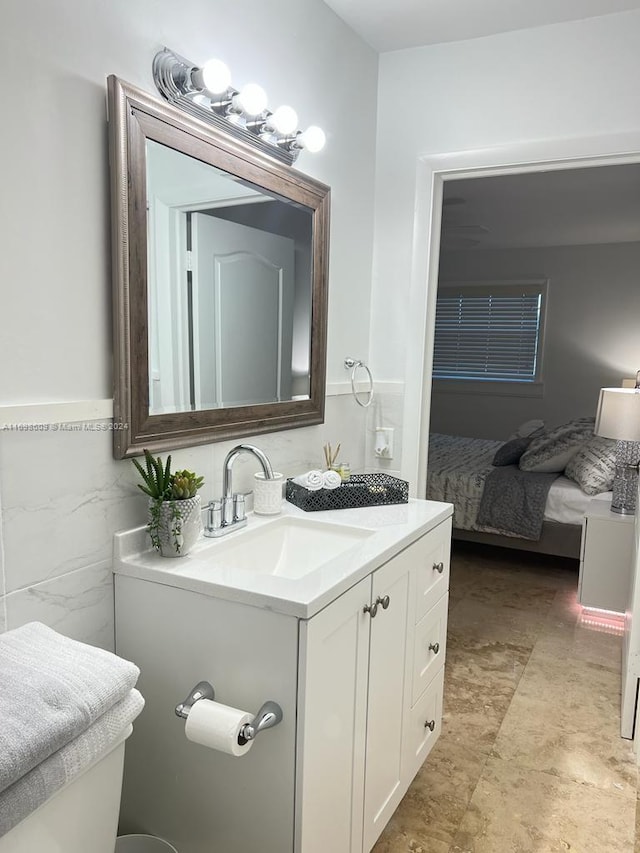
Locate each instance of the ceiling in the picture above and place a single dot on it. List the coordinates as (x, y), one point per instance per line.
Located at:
(397, 24)
(554, 208)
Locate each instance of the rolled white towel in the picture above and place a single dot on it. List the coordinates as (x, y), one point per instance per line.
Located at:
(312, 480)
(331, 480)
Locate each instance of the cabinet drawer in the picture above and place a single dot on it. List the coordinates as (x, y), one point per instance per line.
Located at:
(420, 736)
(432, 575)
(429, 646)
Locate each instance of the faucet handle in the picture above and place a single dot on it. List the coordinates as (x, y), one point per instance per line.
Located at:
(214, 515)
(227, 510)
(239, 513)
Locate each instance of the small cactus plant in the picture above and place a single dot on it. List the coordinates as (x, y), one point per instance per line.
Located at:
(163, 487)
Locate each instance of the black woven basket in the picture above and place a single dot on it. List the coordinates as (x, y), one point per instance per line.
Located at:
(359, 490)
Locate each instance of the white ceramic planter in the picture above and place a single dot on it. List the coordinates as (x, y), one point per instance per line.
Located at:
(180, 526)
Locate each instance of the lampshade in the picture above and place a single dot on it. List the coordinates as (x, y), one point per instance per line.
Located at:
(618, 414)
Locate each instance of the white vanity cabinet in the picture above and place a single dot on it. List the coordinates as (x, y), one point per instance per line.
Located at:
(370, 697)
(356, 667)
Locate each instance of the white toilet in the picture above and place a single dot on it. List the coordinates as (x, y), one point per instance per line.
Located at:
(82, 817)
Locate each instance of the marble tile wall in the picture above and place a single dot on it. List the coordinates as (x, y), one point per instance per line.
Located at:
(62, 497)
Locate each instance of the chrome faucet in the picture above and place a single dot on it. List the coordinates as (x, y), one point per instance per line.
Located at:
(228, 513)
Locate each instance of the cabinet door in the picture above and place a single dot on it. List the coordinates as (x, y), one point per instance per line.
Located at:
(431, 555)
(429, 647)
(424, 724)
(384, 782)
(332, 725)
(607, 547)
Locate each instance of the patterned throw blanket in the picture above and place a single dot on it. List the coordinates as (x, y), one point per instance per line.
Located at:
(485, 500)
(513, 501)
(456, 473)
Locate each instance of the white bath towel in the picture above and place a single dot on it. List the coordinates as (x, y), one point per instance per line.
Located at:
(331, 480)
(33, 789)
(52, 689)
(312, 480)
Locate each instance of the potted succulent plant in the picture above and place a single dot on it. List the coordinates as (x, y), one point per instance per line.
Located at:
(175, 521)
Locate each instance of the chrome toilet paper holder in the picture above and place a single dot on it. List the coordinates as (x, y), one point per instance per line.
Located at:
(269, 715)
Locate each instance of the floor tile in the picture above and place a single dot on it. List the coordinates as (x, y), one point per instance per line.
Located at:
(396, 840)
(485, 662)
(531, 812)
(501, 590)
(564, 719)
(439, 795)
(576, 642)
(540, 568)
(530, 759)
(473, 713)
(479, 620)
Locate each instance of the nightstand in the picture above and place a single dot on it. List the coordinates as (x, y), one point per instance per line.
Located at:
(605, 557)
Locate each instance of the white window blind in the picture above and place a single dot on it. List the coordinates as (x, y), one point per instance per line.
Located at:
(488, 333)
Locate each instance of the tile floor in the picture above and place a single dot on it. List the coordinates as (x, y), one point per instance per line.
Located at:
(530, 759)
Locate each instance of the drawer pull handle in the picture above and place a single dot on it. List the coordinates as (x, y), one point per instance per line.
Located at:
(371, 609)
(434, 647)
(430, 724)
(438, 567)
(383, 602)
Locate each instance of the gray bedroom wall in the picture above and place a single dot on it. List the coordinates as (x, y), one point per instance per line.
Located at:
(591, 335)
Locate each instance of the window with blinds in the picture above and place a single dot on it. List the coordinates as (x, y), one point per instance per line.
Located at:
(489, 332)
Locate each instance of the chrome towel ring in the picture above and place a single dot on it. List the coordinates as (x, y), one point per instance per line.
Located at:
(353, 364)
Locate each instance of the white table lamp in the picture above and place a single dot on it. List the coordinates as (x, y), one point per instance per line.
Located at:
(618, 417)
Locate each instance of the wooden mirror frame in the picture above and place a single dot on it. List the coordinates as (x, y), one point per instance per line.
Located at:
(134, 117)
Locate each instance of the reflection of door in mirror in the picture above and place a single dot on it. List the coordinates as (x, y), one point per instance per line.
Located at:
(245, 276)
(229, 304)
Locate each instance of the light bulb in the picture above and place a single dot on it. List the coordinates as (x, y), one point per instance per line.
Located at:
(284, 120)
(214, 76)
(252, 99)
(313, 139)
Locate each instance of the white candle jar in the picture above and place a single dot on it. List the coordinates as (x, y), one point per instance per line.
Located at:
(267, 494)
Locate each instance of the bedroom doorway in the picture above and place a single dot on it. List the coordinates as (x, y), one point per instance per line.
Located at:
(434, 173)
(550, 261)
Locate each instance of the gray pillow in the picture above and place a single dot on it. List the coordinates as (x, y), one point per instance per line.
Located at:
(552, 451)
(511, 451)
(528, 428)
(593, 466)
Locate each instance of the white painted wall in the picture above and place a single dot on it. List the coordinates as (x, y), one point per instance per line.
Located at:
(529, 94)
(62, 495)
(591, 333)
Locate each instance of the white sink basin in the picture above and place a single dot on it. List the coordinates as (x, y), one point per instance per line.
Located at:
(287, 547)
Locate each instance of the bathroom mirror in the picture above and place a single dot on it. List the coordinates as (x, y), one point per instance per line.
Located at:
(220, 282)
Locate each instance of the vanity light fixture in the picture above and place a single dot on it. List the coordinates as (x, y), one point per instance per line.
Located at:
(206, 93)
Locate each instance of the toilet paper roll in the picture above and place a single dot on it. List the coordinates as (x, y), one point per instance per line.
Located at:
(217, 726)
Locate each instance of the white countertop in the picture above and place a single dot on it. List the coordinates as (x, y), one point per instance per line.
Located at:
(394, 528)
